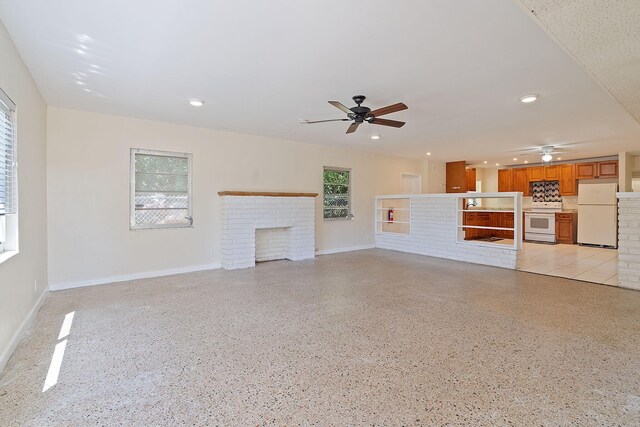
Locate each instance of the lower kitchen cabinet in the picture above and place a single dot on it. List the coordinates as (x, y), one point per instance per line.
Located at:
(488, 219)
(566, 227)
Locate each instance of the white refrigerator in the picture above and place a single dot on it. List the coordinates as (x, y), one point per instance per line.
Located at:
(598, 214)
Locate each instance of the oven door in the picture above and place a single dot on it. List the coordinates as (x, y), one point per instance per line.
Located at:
(540, 223)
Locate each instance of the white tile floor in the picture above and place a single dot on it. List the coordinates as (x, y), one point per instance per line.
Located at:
(596, 265)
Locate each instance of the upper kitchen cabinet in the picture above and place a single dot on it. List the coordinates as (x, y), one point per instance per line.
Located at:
(586, 170)
(505, 180)
(551, 173)
(608, 169)
(521, 181)
(536, 173)
(471, 179)
(567, 178)
(456, 177)
(590, 170)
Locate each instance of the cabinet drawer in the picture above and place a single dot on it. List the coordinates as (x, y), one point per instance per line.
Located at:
(566, 216)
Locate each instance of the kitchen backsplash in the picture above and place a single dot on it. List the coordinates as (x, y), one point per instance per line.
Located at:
(546, 191)
(568, 202)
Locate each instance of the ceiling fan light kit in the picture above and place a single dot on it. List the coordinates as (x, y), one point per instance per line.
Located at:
(361, 114)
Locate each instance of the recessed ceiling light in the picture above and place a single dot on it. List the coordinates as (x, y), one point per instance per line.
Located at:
(515, 158)
(497, 164)
(428, 154)
(80, 51)
(375, 136)
(559, 158)
(531, 97)
(485, 162)
(196, 102)
(78, 82)
(526, 161)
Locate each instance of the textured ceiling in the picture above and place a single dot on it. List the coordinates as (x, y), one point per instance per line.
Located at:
(603, 36)
(461, 67)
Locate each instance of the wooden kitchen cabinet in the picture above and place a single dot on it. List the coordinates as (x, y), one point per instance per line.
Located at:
(586, 170)
(456, 177)
(551, 173)
(477, 219)
(566, 227)
(471, 179)
(521, 181)
(536, 173)
(488, 219)
(503, 220)
(608, 169)
(505, 180)
(567, 178)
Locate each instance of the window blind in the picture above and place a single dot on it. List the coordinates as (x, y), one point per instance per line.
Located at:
(8, 176)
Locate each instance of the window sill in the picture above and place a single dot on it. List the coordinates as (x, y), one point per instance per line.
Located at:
(159, 227)
(338, 219)
(6, 255)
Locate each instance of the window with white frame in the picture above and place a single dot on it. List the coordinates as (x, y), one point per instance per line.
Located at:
(337, 193)
(160, 189)
(8, 174)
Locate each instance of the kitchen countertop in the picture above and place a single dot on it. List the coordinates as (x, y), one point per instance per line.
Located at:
(562, 211)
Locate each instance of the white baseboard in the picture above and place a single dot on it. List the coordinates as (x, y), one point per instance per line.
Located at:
(349, 249)
(17, 336)
(133, 276)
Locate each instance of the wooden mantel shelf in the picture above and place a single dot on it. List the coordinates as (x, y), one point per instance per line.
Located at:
(265, 194)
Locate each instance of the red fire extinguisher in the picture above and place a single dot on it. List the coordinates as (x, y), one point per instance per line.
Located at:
(390, 214)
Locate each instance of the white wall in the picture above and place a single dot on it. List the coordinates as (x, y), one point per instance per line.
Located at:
(88, 193)
(433, 176)
(19, 293)
(625, 170)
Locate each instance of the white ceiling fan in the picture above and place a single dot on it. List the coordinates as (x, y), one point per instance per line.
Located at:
(546, 151)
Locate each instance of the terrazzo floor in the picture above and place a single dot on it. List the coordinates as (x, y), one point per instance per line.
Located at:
(364, 338)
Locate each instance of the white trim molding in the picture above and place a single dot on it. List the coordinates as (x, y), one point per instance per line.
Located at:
(133, 276)
(21, 331)
(347, 249)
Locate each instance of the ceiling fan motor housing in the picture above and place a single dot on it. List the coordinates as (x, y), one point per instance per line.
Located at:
(359, 112)
(359, 99)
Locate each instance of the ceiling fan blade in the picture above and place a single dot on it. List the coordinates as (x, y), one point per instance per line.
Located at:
(389, 109)
(308, 122)
(340, 106)
(385, 122)
(352, 128)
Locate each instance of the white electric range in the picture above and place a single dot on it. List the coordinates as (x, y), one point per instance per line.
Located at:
(540, 222)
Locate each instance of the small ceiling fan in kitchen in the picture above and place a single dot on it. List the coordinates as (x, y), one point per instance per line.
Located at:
(546, 151)
(361, 114)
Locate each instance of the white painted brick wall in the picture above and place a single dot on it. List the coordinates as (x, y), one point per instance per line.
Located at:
(243, 215)
(629, 240)
(434, 233)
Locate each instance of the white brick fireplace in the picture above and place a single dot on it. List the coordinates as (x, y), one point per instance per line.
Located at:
(266, 226)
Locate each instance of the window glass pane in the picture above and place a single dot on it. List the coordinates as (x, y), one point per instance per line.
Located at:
(161, 185)
(336, 194)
